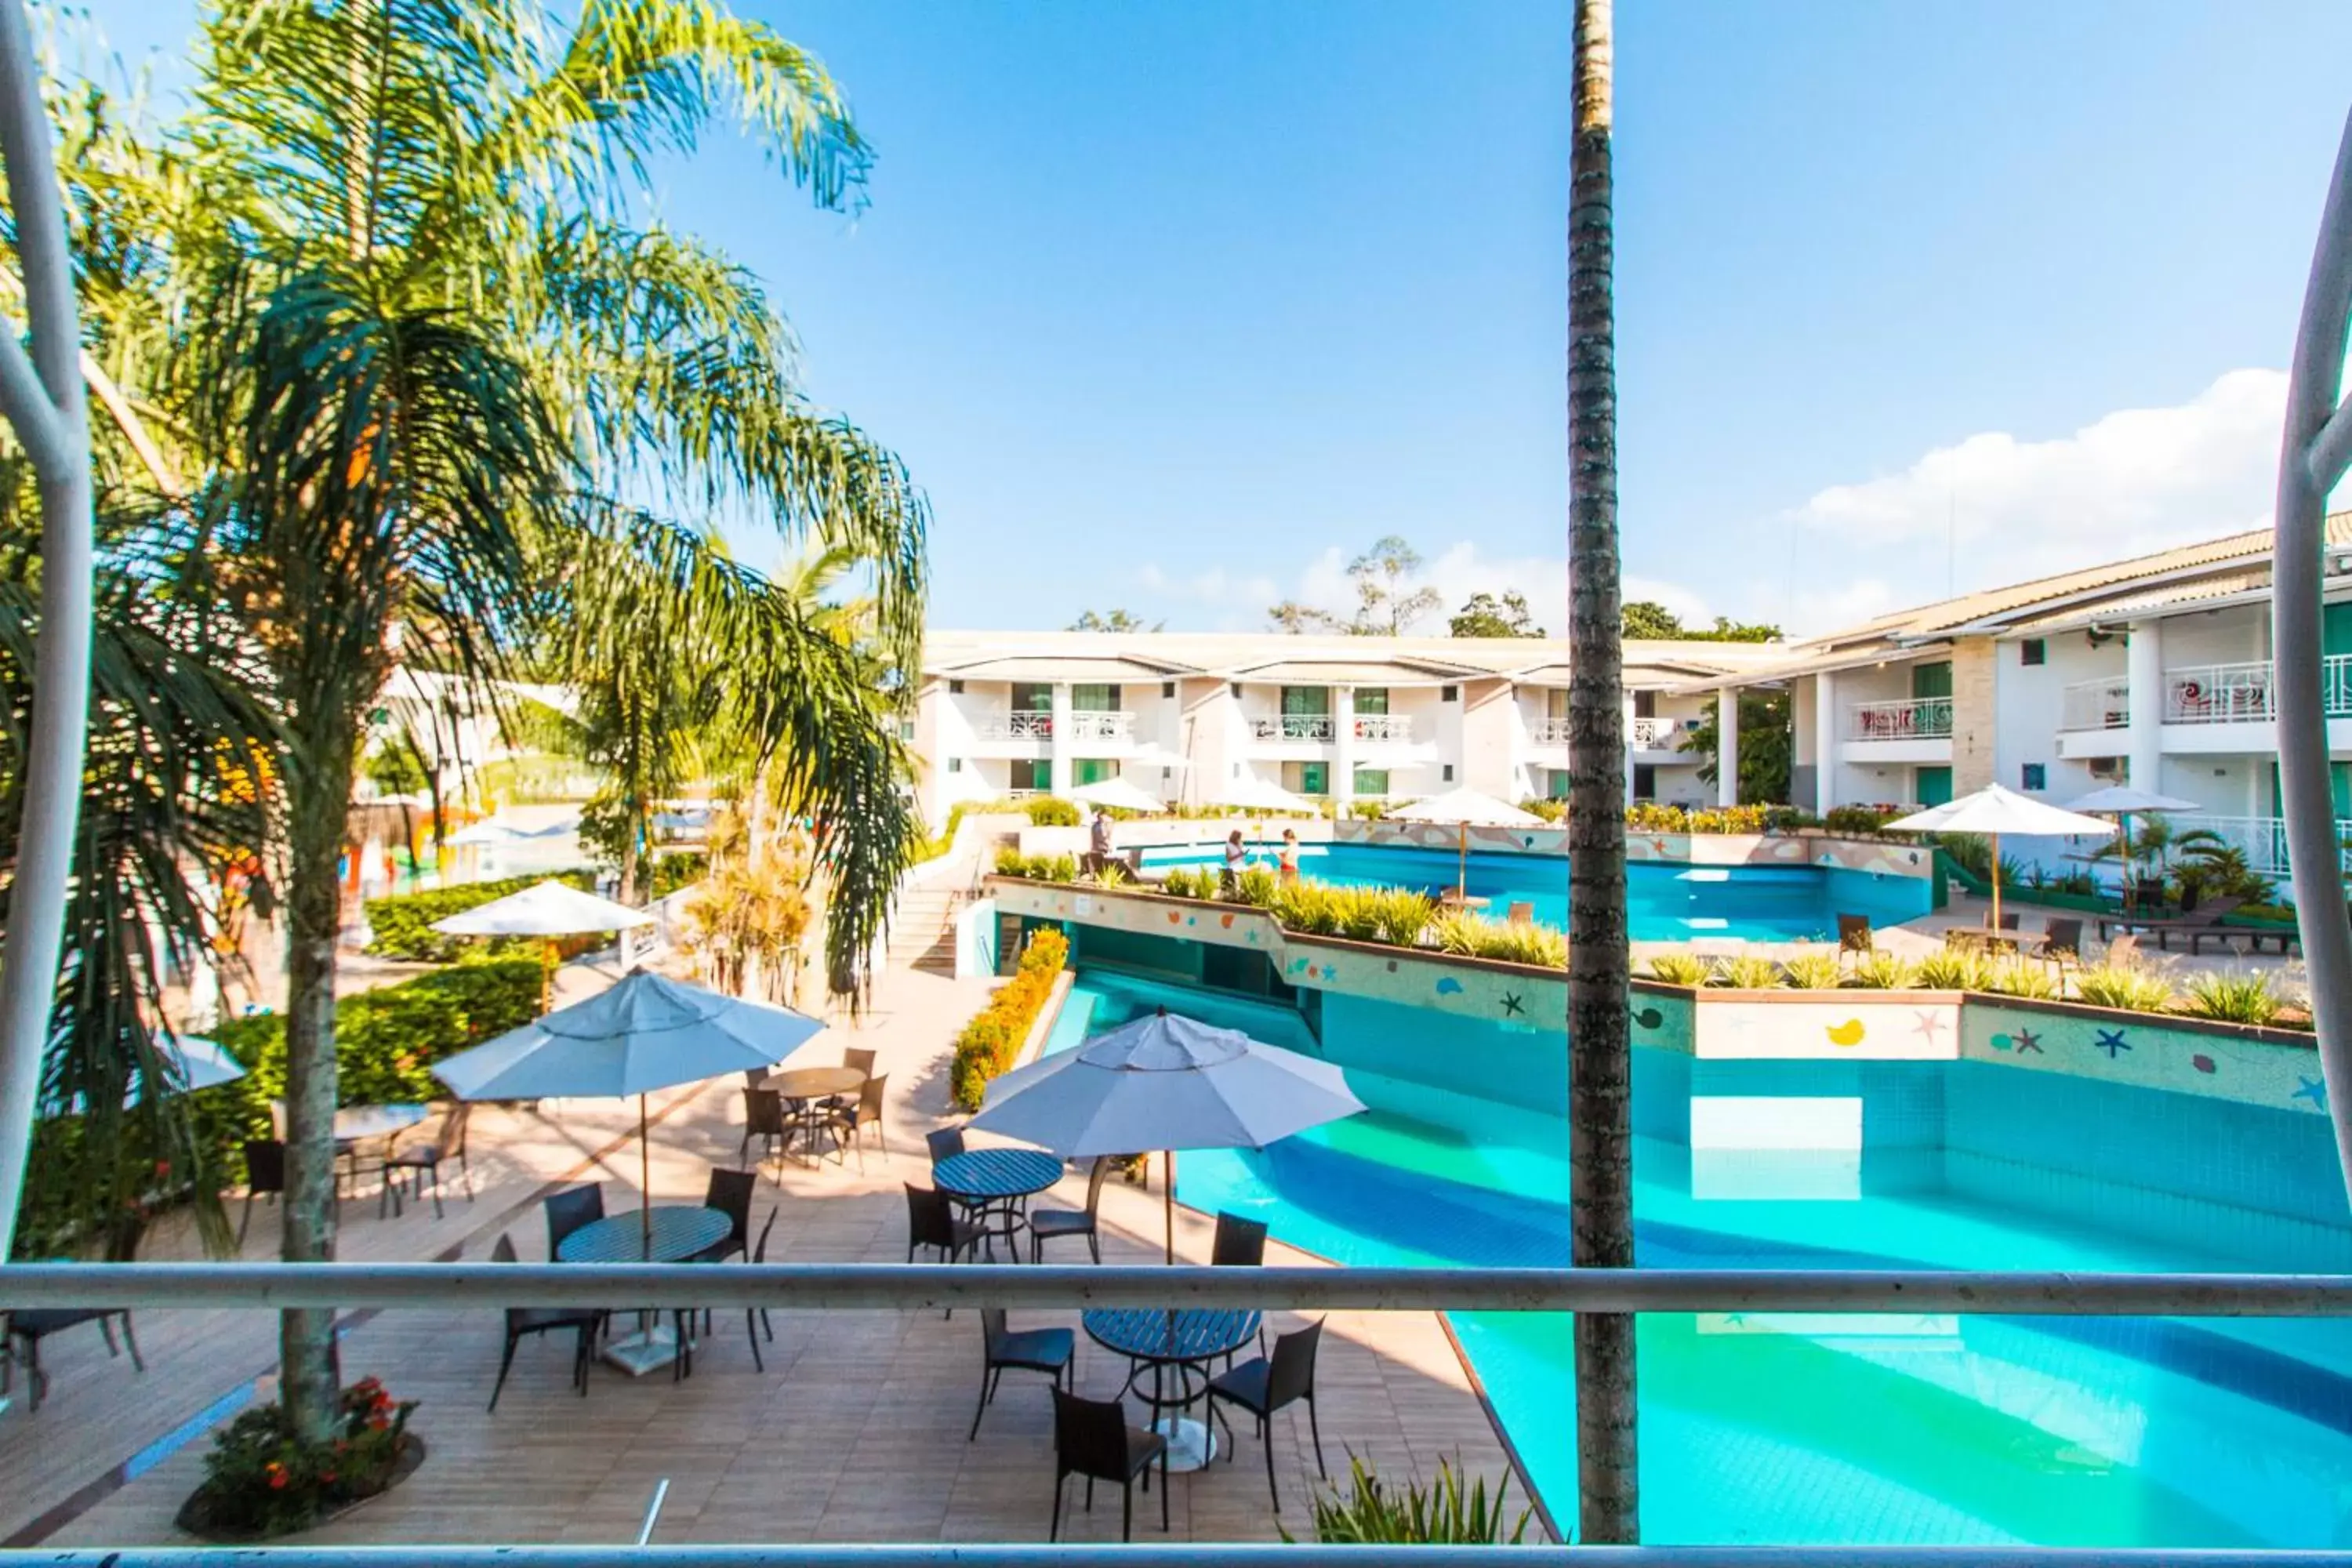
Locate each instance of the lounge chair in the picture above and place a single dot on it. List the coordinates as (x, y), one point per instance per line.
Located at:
(2205, 918)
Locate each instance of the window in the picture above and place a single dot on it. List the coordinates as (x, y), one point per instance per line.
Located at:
(1167, 689)
(1645, 704)
(2034, 650)
(1238, 688)
(2035, 777)
(1556, 703)
(1032, 697)
(1092, 697)
(1371, 781)
(1305, 701)
(1556, 784)
(1645, 783)
(1092, 770)
(1449, 694)
(1371, 699)
(1448, 776)
(1029, 772)
(1307, 778)
(906, 730)
(955, 764)
(955, 688)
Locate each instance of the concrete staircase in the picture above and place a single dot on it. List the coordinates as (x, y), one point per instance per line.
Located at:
(922, 931)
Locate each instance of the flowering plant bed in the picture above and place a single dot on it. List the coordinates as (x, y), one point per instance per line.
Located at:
(261, 1480)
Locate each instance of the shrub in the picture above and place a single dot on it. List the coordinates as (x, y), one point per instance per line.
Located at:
(2121, 986)
(1479, 936)
(1649, 816)
(993, 1038)
(1748, 972)
(1812, 972)
(261, 1479)
(1044, 811)
(2022, 978)
(1054, 867)
(1679, 969)
(1010, 862)
(1113, 874)
(1955, 969)
(1189, 882)
(1859, 819)
(403, 925)
(676, 869)
(2232, 998)
(1312, 908)
(1256, 885)
(1445, 1512)
(1882, 972)
(1552, 810)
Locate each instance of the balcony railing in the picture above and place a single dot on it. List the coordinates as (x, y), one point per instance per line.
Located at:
(2096, 705)
(2262, 838)
(1383, 727)
(1907, 718)
(2246, 693)
(1547, 732)
(1652, 734)
(1037, 725)
(1292, 727)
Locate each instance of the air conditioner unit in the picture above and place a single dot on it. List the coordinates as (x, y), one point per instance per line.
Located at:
(2108, 770)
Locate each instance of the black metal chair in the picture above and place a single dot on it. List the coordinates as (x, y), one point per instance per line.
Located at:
(763, 1118)
(751, 1329)
(1045, 1222)
(423, 1163)
(1052, 1352)
(2061, 944)
(848, 1120)
(1239, 1243)
(265, 1175)
(574, 1209)
(522, 1322)
(29, 1326)
(931, 1222)
(730, 1192)
(944, 1142)
(1264, 1384)
(1092, 1438)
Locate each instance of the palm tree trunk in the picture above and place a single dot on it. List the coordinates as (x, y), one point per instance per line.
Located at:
(1600, 1143)
(309, 1381)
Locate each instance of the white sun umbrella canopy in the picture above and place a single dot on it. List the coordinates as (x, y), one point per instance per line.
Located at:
(1994, 810)
(1165, 1082)
(1466, 809)
(2123, 800)
(1119, 795)
(548, 908)
(646, 1033)
(1254, 793)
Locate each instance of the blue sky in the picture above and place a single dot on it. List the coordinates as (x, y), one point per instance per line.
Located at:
(1176, 306)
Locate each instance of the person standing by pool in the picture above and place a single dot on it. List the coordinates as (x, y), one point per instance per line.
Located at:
(1236, 856)
(1100, 842)
(1287, 862)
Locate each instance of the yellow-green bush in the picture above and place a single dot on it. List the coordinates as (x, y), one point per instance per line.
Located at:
(988, 1044)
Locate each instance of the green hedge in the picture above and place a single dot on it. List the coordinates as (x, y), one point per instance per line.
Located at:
(387, 1042)
(989, 1043)
(402, 923)
(676, 869)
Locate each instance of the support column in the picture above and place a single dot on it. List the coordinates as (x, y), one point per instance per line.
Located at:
(1825, 743)
(1727, 746)
(1629, 748)
(1343, 744)
(1058, 749)
(2144, 735)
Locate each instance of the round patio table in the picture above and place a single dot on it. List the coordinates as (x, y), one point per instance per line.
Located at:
(353, 1122)
(1177, 1343)
(998, 1179)
(803, 1089)
(679, 1232)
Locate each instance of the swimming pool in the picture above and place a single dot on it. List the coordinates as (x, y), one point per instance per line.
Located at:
(1892, 1429)
(1665, 901)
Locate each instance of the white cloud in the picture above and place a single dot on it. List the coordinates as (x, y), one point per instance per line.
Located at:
(1215, 586)
(2135, 480)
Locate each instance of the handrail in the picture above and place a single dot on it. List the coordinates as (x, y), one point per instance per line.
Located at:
(1153, 1554)
(867, 1286)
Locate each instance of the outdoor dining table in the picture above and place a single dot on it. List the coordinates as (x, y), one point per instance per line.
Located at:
(805, 1091)
(997, 1180)
(1179, 1345)
(668, 1233)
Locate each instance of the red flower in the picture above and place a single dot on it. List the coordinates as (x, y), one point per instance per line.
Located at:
(327, 1477)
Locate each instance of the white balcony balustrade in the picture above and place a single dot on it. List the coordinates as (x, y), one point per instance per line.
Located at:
(2246, 693)
(1547, 732)
(2102, 704)
(1090, 724)
(1383, 727)
(1292, 727)
(1905, 719)
(1037, 725)
(1653, 734)
(2262, 839)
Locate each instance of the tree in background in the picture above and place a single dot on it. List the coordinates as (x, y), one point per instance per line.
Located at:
(1390, 600)
(1600, 1116)
(1767, 746)
(1113, 621)
(1646, 620)
(1485, 617)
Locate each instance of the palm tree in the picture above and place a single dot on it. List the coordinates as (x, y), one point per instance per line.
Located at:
(401, 321)
(1601, 1140)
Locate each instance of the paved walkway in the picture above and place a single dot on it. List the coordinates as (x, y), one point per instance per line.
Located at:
(854, 1432)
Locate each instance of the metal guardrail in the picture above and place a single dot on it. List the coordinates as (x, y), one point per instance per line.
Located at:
(1151, 1555)
(871, 1286)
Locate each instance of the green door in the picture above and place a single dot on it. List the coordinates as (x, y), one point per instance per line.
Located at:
(1932, 679)
(2339, 781)
(1933, 786)
(1085, 771)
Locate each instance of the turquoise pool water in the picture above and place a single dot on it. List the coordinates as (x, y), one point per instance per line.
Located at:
(1924, 1429)
(1664, 902)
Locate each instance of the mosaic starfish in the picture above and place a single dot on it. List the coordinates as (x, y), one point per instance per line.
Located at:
(2026, 1041)
(2112, 1041)
(1930, 1027)
(1512, 1006)
(2314, 1090)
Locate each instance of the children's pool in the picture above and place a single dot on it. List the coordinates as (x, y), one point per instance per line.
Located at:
(1758, 1429)
(1665, 901)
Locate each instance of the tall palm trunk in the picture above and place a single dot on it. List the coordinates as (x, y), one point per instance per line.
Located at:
(321, 793)
(1601, 1142)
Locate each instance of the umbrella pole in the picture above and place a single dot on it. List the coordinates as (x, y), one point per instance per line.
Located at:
(1169, 1202)
(644, 1181)
(1462, 864)
(1996, 881)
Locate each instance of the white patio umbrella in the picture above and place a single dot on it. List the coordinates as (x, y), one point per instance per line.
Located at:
(1165, 1082)
(1254, 793)
(1118, 795)
(645, 1033)
(1466, 809)
(548, 908)
(2121, 801)
(1994, 810)
(203, 1064)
